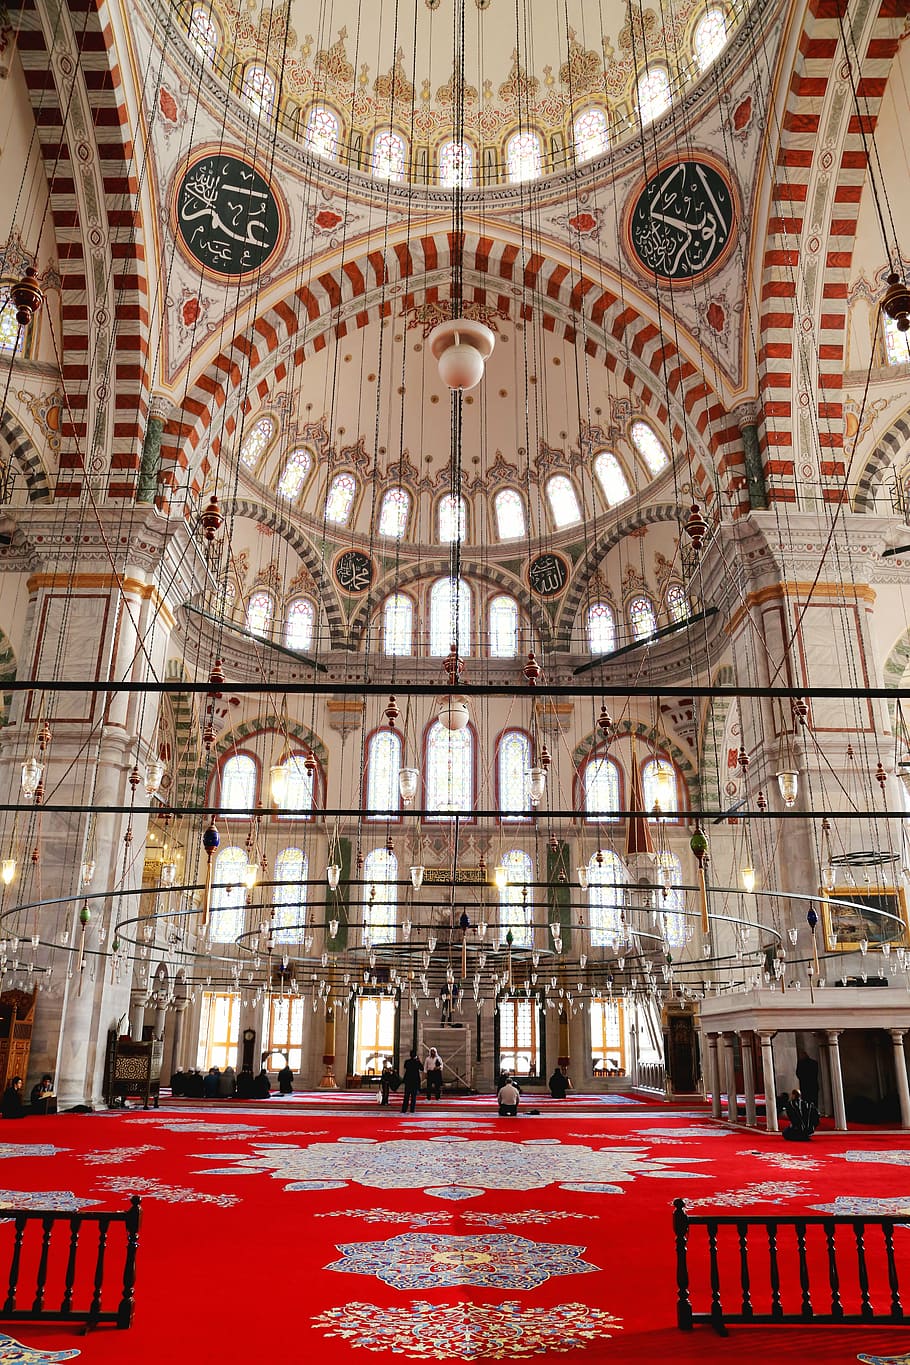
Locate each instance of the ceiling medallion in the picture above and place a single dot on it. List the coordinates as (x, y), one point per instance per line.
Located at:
(226, 215)
(548, 575)
(354, 571)
(682, 222)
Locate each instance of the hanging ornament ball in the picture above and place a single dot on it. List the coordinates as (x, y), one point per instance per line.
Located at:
(85, 915)
(310, 763)
(698, 843)
(27, 296)
(881, 776)
(605, 723)
(464, 923)
(510, 938)
(696, 527)
(532, 669)
(216, 677)
(545, 758)
(896, 303)
(211, 838)
(461, 349)
(801, 710)
(211, 519)
(392, 712)
(811, 917)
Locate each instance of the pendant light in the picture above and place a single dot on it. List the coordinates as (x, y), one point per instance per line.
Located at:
(417, 871)
(537, 785)
(154, 776)
(408, 781)
(7, 870)
(748, 876)
(278, 783)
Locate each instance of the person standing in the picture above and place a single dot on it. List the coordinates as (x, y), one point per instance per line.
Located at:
(386, 1080)
(434, 1075)
(412, 1069)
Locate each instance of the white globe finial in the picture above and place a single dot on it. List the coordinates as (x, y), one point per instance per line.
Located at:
(460, 348)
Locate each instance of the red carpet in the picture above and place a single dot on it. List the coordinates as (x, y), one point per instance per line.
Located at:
(450, 1236)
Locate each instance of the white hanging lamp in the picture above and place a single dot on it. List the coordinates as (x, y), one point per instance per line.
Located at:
(461, 348)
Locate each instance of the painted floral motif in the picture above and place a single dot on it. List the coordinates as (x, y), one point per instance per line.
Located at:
(431, 1260)
(434, 1217)
(115, 1156)
(15, 1353)
(468, 1331)
(766, 1192)
(52, 1201)
(168, 1194)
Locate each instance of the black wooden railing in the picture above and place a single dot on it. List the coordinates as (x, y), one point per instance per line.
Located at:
(773, 1266)
(78, 1275)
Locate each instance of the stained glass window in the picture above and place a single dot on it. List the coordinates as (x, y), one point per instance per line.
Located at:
(510, 514)
(340, 499)
(301, 618)
(450, 769)
(519, 1036)
(393, 515)
(673, 904)
(606, 882)
(11, 336)
(514, 760)
(523, 157)
(515, 909)
(238, 783)
(642, 619)
(591, 135)
(611, 478)
(255, 442)
(649, 446)
(289, 896)
(897, 343)
(655, 792)
(710, 37)
(678, 606)
(453, 518)
(228, 895)
(300, 790)
(601, 628)
(258, 90)
(383, 763)
(445, 602)
(563, 501)
(390, 155)
(601, 782)
(653, 93)
(321, 135)
(397, 624)
(456, 165)
(204, 34)
(259, 612)
(295, 471)
(380, 896)
(503, 628)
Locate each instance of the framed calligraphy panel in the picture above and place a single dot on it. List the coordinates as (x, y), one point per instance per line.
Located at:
(354, 571)
(226, 215)
(548, 575)
(682, 222)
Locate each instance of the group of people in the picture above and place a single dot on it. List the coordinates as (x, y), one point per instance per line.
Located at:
(224, 1083)
(12, 1105)
(413, 1069)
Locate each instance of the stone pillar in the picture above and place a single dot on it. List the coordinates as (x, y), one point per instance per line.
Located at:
(137, 1015)
(767, 1066)
(730, 1078)
(745, 1043)
(159, 411)
(160, 1022)
(900, 1074)
(837, 1080)
(824, 1076)
(747, 418)
(564, 1055)
(714, 1075)
(328, 1081)
(180, 1007)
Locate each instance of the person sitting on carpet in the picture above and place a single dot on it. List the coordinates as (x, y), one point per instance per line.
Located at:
(262, 1088)
(508, 1098)
(210, 1082)
(803, 1118)
(227, 1084)
(286, 1080)
(178, 1081)
(559, 1084)
(412, 1069)
(42, 1089)
(433, 1066)
(11, 1106)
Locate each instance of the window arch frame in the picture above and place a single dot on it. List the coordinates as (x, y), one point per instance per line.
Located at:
(380, 851)
(678, 592)
(399, 491)
(510, 491)
(600, 937)
(289, 458)
(466, 817)
(710, 10)
(284, 935)
(682, 804)
(520, 940)
(25, 336)
(412, 607)
(609, 610)
(217, 782)
(464, 628)
(510, 820)
(463, 522)
(208, 12)
(245, 89)
(518, 134)
(278, 813)
(575, 521)
(240, 910)
(305, 600)
(611, 455)
(650, 70)
(317, 107)
(642, 596)
(598, 753)
(259, 590)
(472, 160)
(393, 132)
(330, 484)
(503, 597)
(639, 422)
(381, 732)
(259, 460)
(592, 107)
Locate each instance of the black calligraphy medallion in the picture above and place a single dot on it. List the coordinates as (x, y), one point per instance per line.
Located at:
(548, 575)
(682, 222)
(227, 215)
(354, 571)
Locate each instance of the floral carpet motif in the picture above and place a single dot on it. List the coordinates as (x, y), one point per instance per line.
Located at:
(436, 1217)
(766, 1192)
(14, 1353)
(850, 1204)
(468, 1331)
(885, 1360)
(788, 1161)
(13, 1149)
(116, 1156)
(431, 1260)
(53, 1201)
(168, 1194)
(896, 1156)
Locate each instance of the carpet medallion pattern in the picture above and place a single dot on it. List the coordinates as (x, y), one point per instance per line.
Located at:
(14, 1353)
(429, 1260)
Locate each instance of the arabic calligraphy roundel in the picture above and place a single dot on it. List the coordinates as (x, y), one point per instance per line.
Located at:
(682, 222)
(227, 215)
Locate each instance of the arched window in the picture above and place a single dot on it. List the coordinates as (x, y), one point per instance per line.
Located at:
(516, 899)
(228, 895)
(590, 134)
(563, 501)
(238, 784)
(671, 901)
(295, 472)
(601, 784)
(299, 624)
(514, 760)
(503, 627)
(897, 343)
(259, 612)
(710, 37)
(453, 518)
(340, 499)
(642, 618)
(612, 479)
(397, 625)
(383, 763)
(322, 133)
(393, 515)
(258, 90)
(390, 156)
(649, 446)
(659, 786)
(450, 769)
(510, 514)
(12, 336)
(456, 165)
(450, 617)
(299, 793)
(256, 441)
(289, 896)
(679, 608)
(653, 93)
(204, 34)
(606, 894)
(380, 896)
(524, 159)
(601, 628)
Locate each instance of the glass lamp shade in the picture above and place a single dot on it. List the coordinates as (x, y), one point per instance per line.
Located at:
(278, 783)
(864, 946)
(481, 928)
(333, 873)
(663, 785)
(88, 871)
(829, 877)
(250, 874)
(501, 876)
(793, 934)
(417, 872)
(537, 785)
(333, 928)
(431, 943)
(154, 776)
(7, 870)
(31, 776)
(583, 960)
(168, 874)
(582, 877)
(788, 782)
(454, 713)
(408, 779)
(748, 876)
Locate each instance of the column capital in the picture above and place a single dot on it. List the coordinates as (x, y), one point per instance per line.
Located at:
(897, 1034)
(747, 414)
(833, 1034)
(160, 406)
(766, 1035)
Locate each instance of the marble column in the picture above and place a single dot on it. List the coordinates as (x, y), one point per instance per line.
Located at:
(837, 1080)
(714, 1075)
(180, 1007)
(328, 1081)
(159, 411)
(137, 1015)
(767, 1066)
(745, 1042)
(730, 1078)
(900, 1074)
(747, 417)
